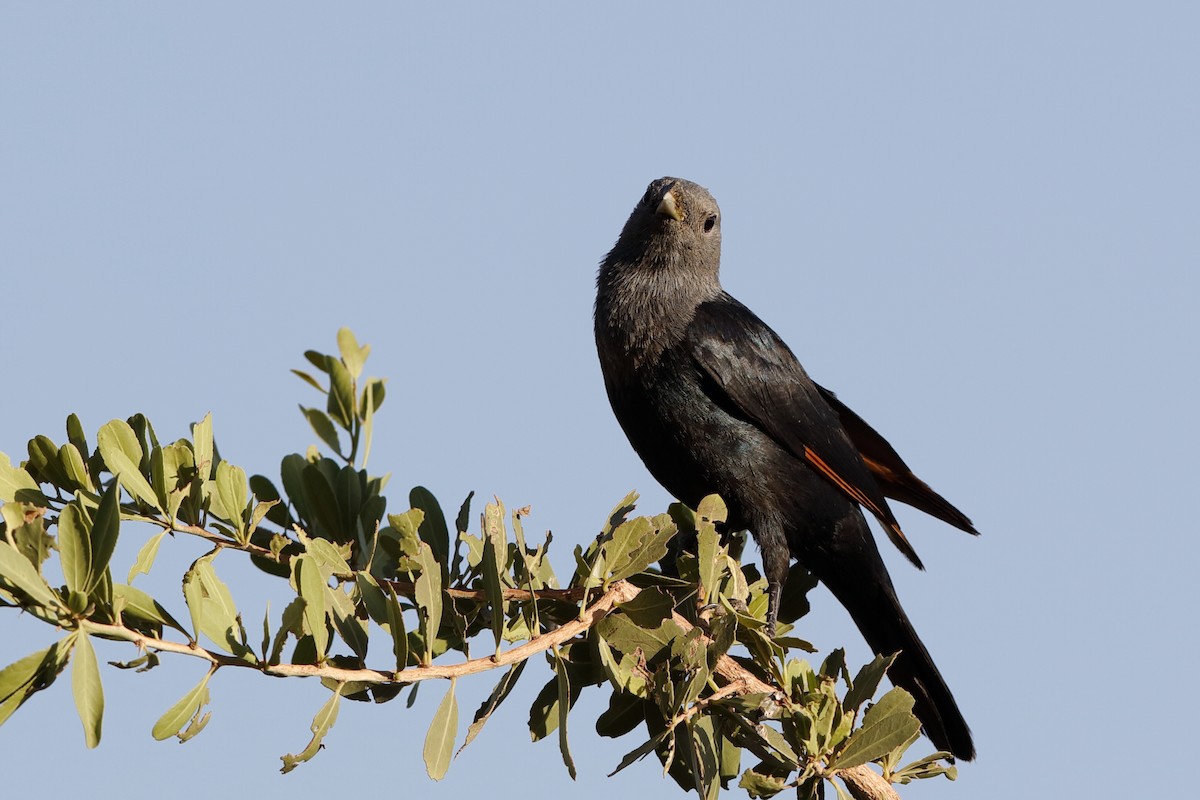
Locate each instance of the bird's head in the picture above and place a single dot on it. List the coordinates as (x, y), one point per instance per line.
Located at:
(676, 226)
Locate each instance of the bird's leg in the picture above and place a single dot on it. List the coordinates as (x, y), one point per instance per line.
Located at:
(775, 557)
(773, 592)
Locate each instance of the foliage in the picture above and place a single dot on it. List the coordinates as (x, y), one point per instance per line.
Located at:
(677, 637)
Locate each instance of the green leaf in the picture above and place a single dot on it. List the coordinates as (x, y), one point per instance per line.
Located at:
(231, 494)
(172, 469)
(730, 758)
(651, 549)
(428, 596)
(779, 743)
(202, 443)
(620, 511)
(842, 794)
(17, 572)
(309, 379)
(625, 540)
(146, 556)
(352, 630)
(372, 397)
(188, 708)
(396, 626)
(33, 673)
(866, 682)
(122, 453)
(75, 547)
(27, 532)
(624, 713)
(493, 701)
(834, 665)
(291, 622)
(85, 685)
(340, 404)
(703, 755)
(627, 636)
(407, 527)
(593, 563)
(645, 749)
(17, 485)
(649, 607)
(896, 701)
(311, 585)
(691, 654)
(373, 598)
(142, 606)
(319, 503)
(327, 556)
(439, 741)
(349, 487)
(317, 359)
(266, 640)
(321, 725)
(105, 529)
(887, 725)
(353, 355)
(75, 434)
(261, 510)
(713, 509)
(197, 724)
(461, 522)
(147, 440)
(616, 672)
(76, 470)
(212, 608)
(763, 784)
(495, 543)
(543, 713)
(707, 552)
(367, 429)
(159, 478)
(564, 707)
(322, 425)
(927, 767)
(432, 528)
(548, 711)
(43, 461)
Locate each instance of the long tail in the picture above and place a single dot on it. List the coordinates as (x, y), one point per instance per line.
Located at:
(877, 612)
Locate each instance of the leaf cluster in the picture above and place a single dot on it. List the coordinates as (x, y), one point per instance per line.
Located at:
(383, 601)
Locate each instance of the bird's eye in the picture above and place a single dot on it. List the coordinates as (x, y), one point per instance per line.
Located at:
(710, 223)
(648, 196)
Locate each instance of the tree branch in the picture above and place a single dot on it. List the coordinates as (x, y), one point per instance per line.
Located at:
(862, 782)
(619, 592)
(572, 595)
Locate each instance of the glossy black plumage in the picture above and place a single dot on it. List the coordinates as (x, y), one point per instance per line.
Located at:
(714, 401)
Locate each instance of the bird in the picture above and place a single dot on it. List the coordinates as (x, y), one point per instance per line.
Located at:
(714, 401)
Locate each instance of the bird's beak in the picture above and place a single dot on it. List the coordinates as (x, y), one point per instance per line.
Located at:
(668, 207)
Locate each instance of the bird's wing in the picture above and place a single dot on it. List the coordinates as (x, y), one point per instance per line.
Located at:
(754, 374)
(894, 477)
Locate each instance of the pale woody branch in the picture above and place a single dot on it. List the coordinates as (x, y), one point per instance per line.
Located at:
(620, 592)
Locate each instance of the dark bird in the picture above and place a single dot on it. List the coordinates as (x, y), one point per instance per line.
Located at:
(714, 402)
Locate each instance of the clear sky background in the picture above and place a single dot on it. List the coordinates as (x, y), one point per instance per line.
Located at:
(979, 223)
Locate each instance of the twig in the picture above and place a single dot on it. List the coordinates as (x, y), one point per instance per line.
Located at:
(573, 595)
(619, 592)
(862, 782)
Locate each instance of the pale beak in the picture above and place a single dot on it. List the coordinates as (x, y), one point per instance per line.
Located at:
(667, 207)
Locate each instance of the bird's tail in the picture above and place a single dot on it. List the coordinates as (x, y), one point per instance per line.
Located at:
(885, 626)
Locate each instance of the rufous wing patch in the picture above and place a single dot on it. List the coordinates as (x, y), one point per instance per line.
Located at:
(856, 494)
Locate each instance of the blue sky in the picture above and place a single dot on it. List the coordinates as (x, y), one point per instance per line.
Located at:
(977, 223)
